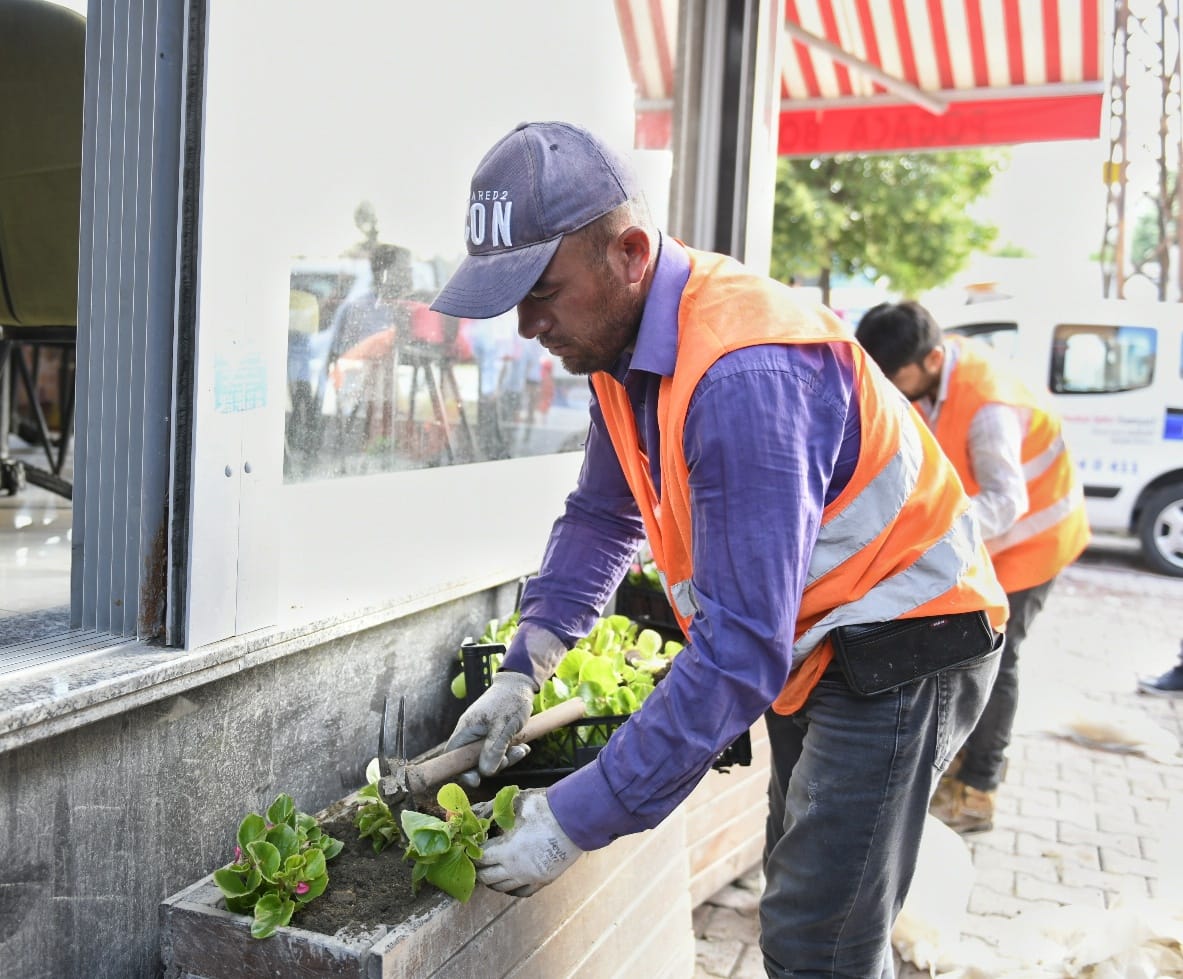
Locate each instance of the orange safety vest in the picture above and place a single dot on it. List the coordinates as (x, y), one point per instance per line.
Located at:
(898, 542)
(1055, 529)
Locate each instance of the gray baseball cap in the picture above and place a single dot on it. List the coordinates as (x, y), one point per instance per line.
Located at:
(538, 183)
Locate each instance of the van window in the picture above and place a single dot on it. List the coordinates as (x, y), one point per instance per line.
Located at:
(1102, 359)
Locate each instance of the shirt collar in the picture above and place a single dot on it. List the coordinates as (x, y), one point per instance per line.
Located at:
(656, 349)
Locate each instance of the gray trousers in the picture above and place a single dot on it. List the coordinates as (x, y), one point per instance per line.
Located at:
(983, 762)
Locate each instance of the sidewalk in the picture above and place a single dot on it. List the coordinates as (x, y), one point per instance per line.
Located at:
(1095, 781)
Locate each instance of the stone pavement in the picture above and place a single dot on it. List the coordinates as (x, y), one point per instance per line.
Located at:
(1090, 818)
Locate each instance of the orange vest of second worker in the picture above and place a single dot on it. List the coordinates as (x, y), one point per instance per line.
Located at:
(898, 542)
(1055, 528)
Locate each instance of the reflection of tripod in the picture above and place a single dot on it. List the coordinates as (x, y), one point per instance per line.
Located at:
(438, 439)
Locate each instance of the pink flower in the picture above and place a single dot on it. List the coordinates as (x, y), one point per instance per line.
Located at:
(237, 854)
(302, 888)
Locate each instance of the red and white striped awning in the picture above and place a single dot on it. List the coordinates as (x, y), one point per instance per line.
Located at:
(891, 75)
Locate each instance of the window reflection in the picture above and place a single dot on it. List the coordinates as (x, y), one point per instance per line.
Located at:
(379, 382)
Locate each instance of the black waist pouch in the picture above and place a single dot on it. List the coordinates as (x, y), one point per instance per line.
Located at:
(879, 656)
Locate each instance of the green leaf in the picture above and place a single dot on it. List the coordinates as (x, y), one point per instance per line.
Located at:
(270, 913)
(314, 864)
(649, 643)
(267, 858)
(253, 827)
(453, 798)
(426, 835)
(454, 874)
(418, 875)
(233, 883)
(284, 839)
(503, 802)
(459, 686)
(598, 672)
(569, 666)
(329, 846)
(281, 810)
(242, 905)
(316, 887)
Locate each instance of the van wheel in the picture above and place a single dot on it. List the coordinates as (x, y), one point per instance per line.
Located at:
(1161, 530)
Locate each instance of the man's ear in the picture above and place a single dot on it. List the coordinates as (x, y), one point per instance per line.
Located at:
(633, 246)
(934, 360)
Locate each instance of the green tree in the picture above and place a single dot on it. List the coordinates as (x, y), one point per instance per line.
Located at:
(903, 219)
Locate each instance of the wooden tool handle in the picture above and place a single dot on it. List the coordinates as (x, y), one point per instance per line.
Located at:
(437, 770)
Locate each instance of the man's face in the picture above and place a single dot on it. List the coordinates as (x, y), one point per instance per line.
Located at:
(923, 380)
(583, 309)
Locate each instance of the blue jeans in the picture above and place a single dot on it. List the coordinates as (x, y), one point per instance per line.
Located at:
(850, 785)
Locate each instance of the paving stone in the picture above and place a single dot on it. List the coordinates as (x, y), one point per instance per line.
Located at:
(738, 899)
(717, 958)
(1116, 862)
(1126, 843)
(751, 965)
(700, 919)
(727, 923)
(1033, 889)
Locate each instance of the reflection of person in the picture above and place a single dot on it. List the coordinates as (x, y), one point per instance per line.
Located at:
(1007, 447)
(1169, 684)
(787, 490)
(381, 307)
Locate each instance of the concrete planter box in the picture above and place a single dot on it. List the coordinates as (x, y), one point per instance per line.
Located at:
(622, 911)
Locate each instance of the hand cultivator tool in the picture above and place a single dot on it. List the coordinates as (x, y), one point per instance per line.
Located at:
(402, 780)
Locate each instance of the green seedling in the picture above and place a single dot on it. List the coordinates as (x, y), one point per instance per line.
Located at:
(374, 818)
(443, 850)
(279, 866)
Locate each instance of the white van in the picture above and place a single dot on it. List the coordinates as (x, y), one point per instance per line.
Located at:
(1114, 370)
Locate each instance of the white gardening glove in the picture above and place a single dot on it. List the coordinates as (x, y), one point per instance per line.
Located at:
(536, 851)
(497, 716)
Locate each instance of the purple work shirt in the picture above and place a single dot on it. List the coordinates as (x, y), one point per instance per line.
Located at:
(772, 435)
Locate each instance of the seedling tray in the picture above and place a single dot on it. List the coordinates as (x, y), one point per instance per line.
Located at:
(649, 608)
(574, 745)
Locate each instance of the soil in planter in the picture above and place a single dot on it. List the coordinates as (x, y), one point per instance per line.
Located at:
(366, 889)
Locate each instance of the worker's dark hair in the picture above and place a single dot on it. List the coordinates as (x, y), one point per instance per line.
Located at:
(898, 334)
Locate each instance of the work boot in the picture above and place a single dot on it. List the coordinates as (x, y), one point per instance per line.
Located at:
(963, 808)
(1170, 684)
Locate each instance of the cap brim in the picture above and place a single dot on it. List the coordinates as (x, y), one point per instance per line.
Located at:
(485, 286)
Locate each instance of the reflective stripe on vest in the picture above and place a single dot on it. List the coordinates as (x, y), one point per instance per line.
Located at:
(1036, 466)
(1033, 524)
(949, 559)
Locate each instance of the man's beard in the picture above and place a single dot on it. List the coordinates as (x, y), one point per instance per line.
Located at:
(620, 313)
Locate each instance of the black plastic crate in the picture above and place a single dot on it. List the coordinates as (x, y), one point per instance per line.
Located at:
(574, 744)
(649, 608)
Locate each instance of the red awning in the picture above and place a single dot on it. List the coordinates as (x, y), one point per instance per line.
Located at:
(891, 75)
